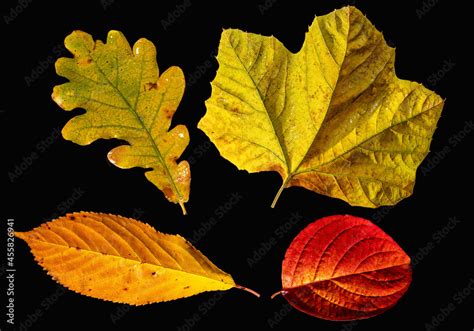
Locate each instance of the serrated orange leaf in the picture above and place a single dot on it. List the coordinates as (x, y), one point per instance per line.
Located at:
(125, 98)
(344, 268)
(122, 260)
(333, 118)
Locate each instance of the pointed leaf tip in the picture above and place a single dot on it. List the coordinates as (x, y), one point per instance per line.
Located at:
(122, 260)
(333, 118)
(344, 268)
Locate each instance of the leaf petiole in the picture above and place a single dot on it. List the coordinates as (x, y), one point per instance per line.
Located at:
(278, 293)
(247, 290)
(277, 196)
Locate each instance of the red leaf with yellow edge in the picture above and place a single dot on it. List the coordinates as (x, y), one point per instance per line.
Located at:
(344, 268)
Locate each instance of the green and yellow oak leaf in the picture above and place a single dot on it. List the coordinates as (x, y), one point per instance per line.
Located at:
(125, 98)
(122, 260)
(333, 117)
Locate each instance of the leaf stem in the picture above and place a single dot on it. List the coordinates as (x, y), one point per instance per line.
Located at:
(277, 196)
(181, 204)
(248, 290)
(278, 293)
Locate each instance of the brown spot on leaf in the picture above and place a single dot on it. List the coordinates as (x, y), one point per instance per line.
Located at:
(168, 113)
(153, 273)
(71, 217)
(149, 86)
(185, 288)
(125, 288)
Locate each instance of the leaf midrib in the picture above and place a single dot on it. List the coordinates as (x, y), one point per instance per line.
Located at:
(280, 143)
(291, 174)
(367, 139)
(342, 276)
(138, 262)
(333, 90)
(142, 124)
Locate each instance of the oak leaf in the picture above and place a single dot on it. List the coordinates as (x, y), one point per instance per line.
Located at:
(333, 118)
(122, 260)
(344, 268)
(125, 98)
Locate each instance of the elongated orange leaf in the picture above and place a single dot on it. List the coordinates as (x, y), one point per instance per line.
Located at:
(122, 260)
(344, 268)
(333, 117)
(125, 98)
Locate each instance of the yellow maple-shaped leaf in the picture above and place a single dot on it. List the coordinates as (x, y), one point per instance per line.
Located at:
(333, 118)
(120, 259)
(125, 98)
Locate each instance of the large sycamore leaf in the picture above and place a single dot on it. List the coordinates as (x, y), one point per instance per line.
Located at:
(333, 118)
(344, 268)
(125, 98)
(122, 260)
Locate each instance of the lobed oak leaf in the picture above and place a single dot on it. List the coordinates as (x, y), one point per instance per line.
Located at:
(125, 98)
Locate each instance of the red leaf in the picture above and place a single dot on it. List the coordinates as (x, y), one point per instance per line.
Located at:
(344, 268)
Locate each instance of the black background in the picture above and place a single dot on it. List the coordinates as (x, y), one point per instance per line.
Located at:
(46, 187)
